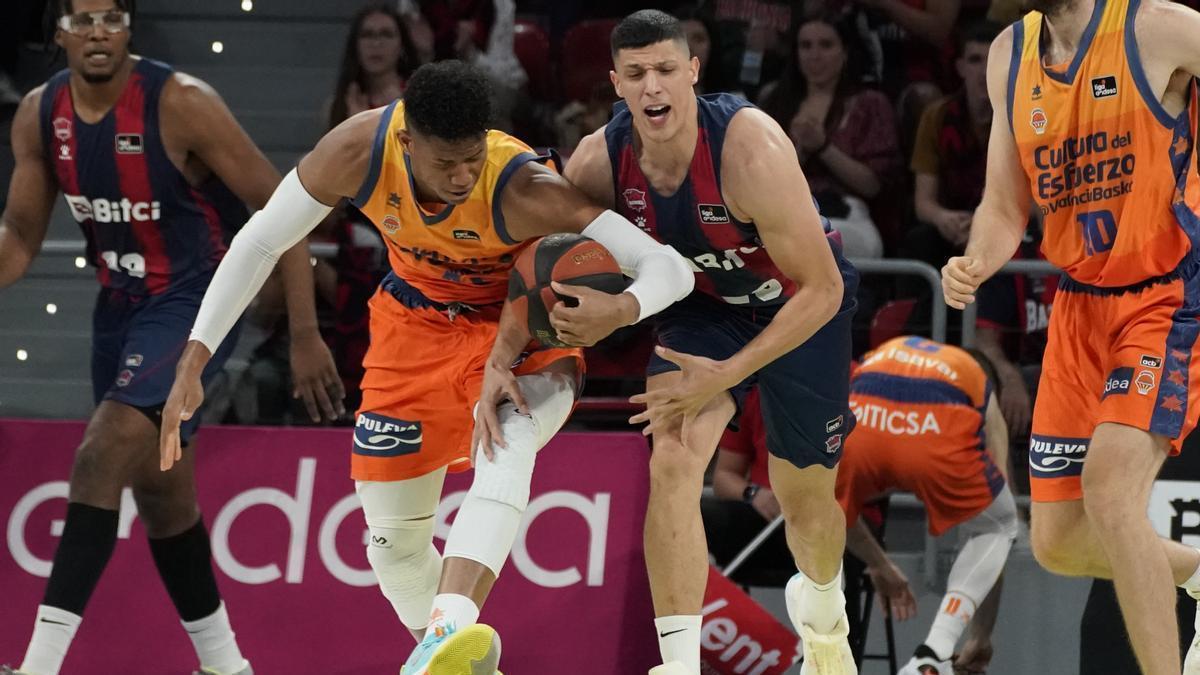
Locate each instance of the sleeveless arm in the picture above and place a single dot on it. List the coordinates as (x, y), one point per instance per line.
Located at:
(193, 114)
(30, 194)
(1000, 220)
(590, 169)
(1166, 37)
(764, 184)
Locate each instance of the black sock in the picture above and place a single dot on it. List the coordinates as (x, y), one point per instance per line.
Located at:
(88, 538)
(184, 562)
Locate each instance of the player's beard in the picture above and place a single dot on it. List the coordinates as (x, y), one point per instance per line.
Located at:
(97, 78)
(1047, 7)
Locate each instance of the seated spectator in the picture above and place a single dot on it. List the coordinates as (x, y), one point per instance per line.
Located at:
(929, 423)
(949, 157)
(376, 62)
(844, 133)
(497, 59)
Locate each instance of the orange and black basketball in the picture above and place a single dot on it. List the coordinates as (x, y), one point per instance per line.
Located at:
(570, 259)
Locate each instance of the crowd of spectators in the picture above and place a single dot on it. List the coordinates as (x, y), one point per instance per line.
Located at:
(885, 100)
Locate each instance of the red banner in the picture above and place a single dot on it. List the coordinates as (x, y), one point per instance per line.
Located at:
(288, 541)
(739, 637)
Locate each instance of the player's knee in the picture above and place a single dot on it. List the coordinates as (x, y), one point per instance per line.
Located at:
(1108, 498)
(1054, 549)
(97, 475)
(673, 465)
(506, 477)
(1002, 515)
(810, 515)
(165, 513)
(403, 544)
(402, 555)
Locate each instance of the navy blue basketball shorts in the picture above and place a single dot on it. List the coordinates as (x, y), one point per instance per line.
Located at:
(804, 393)
(136, 343)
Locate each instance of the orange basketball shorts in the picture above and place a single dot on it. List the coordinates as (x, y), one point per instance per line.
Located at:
(955, 481)
(423, 376)
(1114, 355)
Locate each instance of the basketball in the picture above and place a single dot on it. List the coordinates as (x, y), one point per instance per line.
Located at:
(571, 259)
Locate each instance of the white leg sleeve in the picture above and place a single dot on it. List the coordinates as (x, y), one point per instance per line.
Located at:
(975, 571)
(400, 518)
(486, 525)
(991, 534)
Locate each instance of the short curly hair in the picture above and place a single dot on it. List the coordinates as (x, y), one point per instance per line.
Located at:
(448, 100)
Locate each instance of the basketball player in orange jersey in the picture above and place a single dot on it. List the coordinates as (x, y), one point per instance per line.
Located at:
(719, 180)
(454, 202)
(1096, 118)
(929, 422)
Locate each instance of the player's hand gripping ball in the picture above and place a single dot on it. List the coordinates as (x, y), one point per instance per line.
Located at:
(570, 259)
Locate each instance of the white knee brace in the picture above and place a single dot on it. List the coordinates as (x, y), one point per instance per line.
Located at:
(400, 543)
(982, 558)
(487, 521)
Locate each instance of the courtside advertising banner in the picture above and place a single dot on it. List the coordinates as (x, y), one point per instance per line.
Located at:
(738, 636)
(288, 542)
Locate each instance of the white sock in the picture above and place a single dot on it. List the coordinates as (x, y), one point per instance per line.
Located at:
(1192, 585)
(53, 631)
(818, 606)
(951, 620)
(215, 644)
(679, 640)
(453, 611)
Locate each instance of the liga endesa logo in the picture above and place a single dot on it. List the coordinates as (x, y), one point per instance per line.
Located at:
(302, 521)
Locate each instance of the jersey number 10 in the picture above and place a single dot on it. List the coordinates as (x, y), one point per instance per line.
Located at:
(1099, 231)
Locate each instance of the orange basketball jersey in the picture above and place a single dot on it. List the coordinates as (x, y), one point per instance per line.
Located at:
(1111, 171)
(463, 252)
(920, 407)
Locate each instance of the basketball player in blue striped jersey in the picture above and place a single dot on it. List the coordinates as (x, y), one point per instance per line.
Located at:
(155, 170)
(719, 181)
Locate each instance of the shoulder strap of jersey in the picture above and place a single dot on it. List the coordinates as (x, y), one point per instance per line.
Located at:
(617, 133)
(1022, 29)
(521, 157)
(46, 106)
(716, 111)
(378, 150)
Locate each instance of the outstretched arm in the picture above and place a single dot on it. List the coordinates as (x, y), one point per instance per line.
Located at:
(30, 195)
